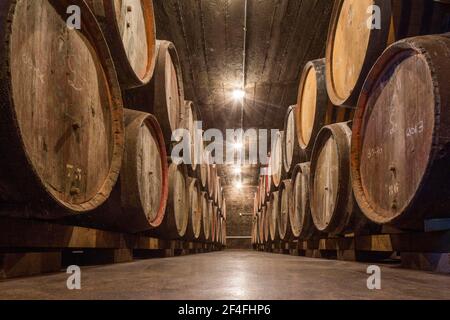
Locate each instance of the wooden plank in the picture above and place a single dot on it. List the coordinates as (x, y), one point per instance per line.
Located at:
(29, 263)
(328, 244)
(37, 234)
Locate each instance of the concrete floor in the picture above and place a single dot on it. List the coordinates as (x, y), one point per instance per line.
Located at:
(233, 275)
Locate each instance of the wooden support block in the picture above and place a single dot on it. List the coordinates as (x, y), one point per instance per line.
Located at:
(311, 244)
(346, 255)
(313, 254)
(29, 263)
(435, 262)
(345, 244)
(89, 257)
(328, 244)
(123, 255)
(381, 243)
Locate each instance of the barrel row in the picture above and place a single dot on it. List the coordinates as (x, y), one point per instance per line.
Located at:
(387, 166)
(87, 119)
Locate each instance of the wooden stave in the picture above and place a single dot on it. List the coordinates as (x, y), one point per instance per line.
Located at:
(214, 223)
(418, 18)
(378, 40)
(254, 226)
(346, 216)
(285, 230)
(194, 227)
(21, 184)
(168, 228)
(422, 205)
(306, 228)
(104, 11)
(261, 192)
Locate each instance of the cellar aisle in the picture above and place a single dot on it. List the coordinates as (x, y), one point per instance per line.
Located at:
(232, 275)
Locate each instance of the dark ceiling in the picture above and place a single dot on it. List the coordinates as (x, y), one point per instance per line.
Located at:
(282, 35)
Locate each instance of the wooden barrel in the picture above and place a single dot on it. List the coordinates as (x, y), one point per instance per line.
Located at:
(169, 90)
(256, 203)
(195, 210)
(203, 170)
(419, 17)
(206, 223)
(274, 212)
(211, 220)
(129, 28)
(353, 48)
(254, 229)
(261, 225)
(176, 220)
(224, 233)
(276, 161)
(333, 208)
(144, 182)
(286, 206)
(314, 109)
(217, 193)
(266, 224)
(190, 118)
(301, 220)
(258, 237)
(223, 210)
(212, 181)
(292, 154)
(400, 149)
(261, 189)
(58, 156)
(214, 213)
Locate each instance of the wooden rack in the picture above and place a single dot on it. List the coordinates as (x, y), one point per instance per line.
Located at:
(428, 251)
(29, 247)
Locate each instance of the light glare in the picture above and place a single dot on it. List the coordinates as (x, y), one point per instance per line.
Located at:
(238, 94)
(237, 146)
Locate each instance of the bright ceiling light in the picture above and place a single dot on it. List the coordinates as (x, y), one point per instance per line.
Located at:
(238, 94)
(237, 170)
(237, 146)
(238, 184)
